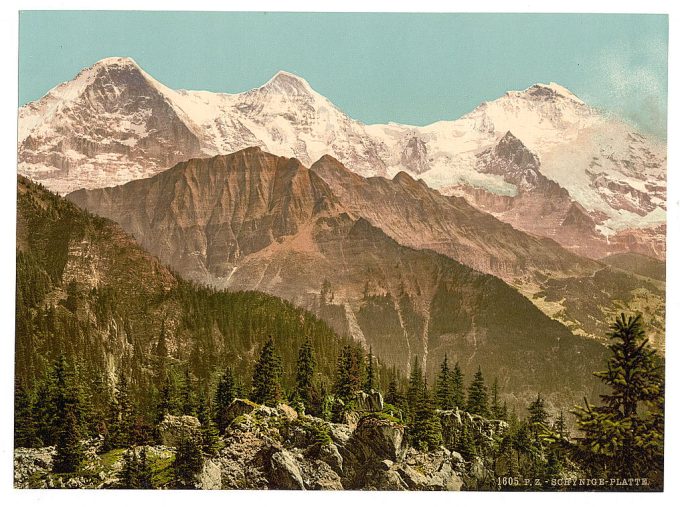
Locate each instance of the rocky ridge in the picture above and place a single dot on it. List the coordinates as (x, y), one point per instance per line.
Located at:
(277, 448)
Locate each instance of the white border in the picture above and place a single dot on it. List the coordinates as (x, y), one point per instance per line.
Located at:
(8, 102)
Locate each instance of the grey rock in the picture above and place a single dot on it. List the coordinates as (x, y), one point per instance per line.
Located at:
(285, 472)
(210, 476)
(173, 429)
(328, 453)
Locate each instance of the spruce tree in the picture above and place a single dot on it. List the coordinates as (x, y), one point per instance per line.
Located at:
(416, 386)
(69, 453)
(624, 436)
(187, 399)
(145, 471)
(209, 433)
(188, 462)
(458, 387)
(267, 376)
(560, 427)
(445, 400)
(304, 375)
(392, 395)
(224, 395)
(349, 373)
(128, 477)
(121, 419)
(426, 430)
(477, 401)
(538, 415)
(369, 384)
(25, 431)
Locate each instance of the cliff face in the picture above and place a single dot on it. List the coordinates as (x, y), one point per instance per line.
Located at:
(355, 252)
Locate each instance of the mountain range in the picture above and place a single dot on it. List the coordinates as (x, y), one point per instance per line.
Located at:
(255, 221)
(540, 159)
(87, 288)
(506, 239)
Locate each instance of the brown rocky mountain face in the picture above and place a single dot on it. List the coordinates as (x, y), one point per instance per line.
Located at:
(252, 220)
(542, 207)
(417, 216)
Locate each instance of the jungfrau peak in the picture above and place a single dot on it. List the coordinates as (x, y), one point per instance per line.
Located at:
(114, 123)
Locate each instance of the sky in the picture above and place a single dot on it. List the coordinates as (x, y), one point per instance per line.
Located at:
(405, 68)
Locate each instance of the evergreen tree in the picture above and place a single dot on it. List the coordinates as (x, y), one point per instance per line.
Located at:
(128, 477)
(304, 375)
(69, 453)
(497, 410)
(209, 434)
(45, 410)
(165, 402)
(224, 395)
(121, 420)
(624, 436)
(416, 386)
(349, 372)
(145, 472)
(458, 387)
(188, 463)
(25, 431)
(560, 427)
(426, 430)
(477, 401)
(538, 415)
(392, 395)
(267, 376)
(466, 443)
(187, 399)
(445, 400)
(370, 374)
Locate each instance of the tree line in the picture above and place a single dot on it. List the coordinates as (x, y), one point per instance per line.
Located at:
(623, 435)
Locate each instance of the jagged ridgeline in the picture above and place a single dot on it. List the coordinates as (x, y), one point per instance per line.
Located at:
(86, 290)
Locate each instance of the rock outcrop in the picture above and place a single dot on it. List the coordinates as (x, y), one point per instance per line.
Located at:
(266, 448)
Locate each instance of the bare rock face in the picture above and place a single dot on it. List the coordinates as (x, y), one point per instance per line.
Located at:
(254, 221)
(368, 402)
(541, 206)
(454, 422)
(377, 439)
(285, 472)
(210, 476)
(173, 429)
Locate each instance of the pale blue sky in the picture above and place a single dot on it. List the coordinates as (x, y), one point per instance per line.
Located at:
(407, 68)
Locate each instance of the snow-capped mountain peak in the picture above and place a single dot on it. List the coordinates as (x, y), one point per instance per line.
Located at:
(113, 123)
(287, 83)
(551, 90)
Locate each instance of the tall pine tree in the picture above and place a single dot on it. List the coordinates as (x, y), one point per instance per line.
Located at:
(69, 452)
(458, 387)
(267, 376)
(224, 395)
(624, 436)
(477, 401)
(445, 399)
(304, 375)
